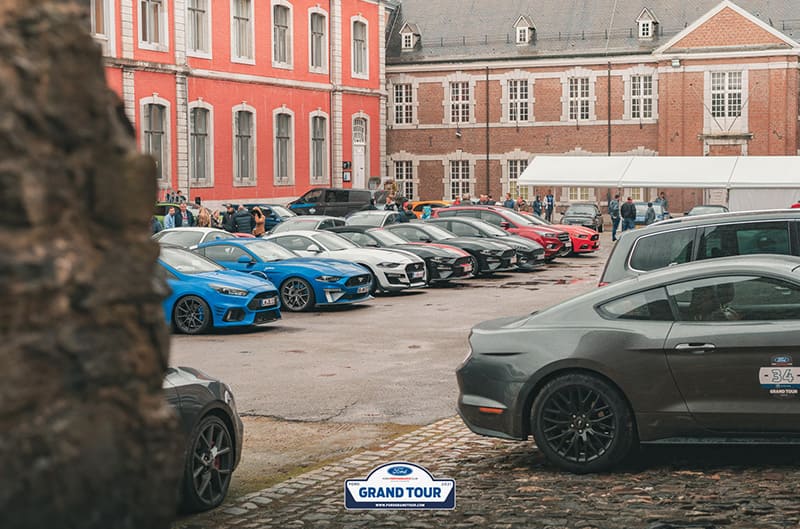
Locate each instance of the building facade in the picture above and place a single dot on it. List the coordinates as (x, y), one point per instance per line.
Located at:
(470, 105)
(250, 100)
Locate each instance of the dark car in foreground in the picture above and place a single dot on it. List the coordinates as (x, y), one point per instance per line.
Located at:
(584, 214)
(442, 262)
(212, 435)
(686, 239)
(530, 254)
(703, 351)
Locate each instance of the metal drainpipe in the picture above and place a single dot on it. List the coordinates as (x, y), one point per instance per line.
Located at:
(487, 132)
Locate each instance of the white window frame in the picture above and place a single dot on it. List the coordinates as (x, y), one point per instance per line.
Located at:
(326, 169)
(241, 59)
(638, 194)
(166, 163)
(406, 106)
(513, 169)
(579, 194)
(566, 97)
(523, 35)
(107, 38)
(458, 166)
(646, 29)
(290, 178)
(353, 21)
(208, 181)
(640, 97)
(460, 106)
(579, 99)
(288, 64)
(407, 41)
(517, 105)
(326, 41)
(628, 83)
(726, 123)
(238, 182)
(199, 53)
(163, 27)
(405, 178)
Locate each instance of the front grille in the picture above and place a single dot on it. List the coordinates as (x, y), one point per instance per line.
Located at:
(563, 237)
(508, 254)
(255, 303)
(415, 267)
(358, 280)
(266, 316)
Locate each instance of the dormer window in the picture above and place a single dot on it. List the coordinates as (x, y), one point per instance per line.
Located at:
(647, 24)
(522, 35)
(408, 41)
(524, 30)
(409, 36)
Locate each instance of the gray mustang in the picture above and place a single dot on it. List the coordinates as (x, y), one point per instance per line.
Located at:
(701, 350)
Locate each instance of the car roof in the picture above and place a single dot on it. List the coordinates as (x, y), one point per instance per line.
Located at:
(300, 218)
(373, 212)
(193, 228)
(307, 233)
(467, 220)
(715, 218)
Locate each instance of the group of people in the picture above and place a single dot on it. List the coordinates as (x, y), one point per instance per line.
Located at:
(233, 219)
(626, 213)
(541, 207)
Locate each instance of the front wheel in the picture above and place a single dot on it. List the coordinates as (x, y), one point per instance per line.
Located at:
(582, 423)
(192, 315)
(476, 271)
(209, 465)
(297, 294)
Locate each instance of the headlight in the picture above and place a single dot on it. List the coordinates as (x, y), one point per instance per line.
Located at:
(329, 279)
(389, 265)
(583, 236)
(230, 291)
(488, 252)
(543, 233)
(440, 260)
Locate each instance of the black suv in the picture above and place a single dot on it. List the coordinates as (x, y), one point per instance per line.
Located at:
(689, 238)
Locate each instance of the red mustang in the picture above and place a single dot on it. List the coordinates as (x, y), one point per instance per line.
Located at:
(584, 240)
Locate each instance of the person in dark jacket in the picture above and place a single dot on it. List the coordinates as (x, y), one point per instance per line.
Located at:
(650, 215)
(155, 225)
(243, 220)
(183, 218)
(628, 213)
(228, 222)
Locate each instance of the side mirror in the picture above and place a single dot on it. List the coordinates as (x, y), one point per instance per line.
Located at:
(313, 248)
(244, 259)
(505, 225)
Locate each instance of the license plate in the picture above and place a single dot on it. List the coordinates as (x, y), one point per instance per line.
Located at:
(513, 259)
(417, 275)
(468, 267)
(363, 290)
(267, 302)
(779, 377)
(567, 245)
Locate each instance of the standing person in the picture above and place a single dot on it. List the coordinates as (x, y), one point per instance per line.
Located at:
(243, 220)
(179, 198)
(228, 220)
(662, 199)
(465, 199)
(549, 205)
(522, 205)
(613, 211)
(537, 206)
(204, 218)
(390, 203)
(216, 221)
(426, 212)
(169, 218)
(509, 202)
(796, 205)
(457, 201)
(628, 212)
(184, 217)
(258, 219)
(155, 225)
(650, 214)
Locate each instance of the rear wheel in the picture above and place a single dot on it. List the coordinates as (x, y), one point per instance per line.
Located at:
(191, 315)
(209, 465)
(582, 423)
(297, 294)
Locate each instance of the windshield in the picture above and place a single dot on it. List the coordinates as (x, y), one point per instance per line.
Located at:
(388, 238)
(282, 211)
(183, 238)
(333, 242)
(437, 233)
(494, 231)
(296, 223)
(704, 210)
(365, 220)
(187, 262)
(526, 220)
(579, 209)
(269, 251)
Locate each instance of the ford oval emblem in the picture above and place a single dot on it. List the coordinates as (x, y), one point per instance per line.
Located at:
(400, 471)
(781, 360)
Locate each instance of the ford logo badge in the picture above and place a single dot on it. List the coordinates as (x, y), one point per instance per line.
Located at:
(399, 471)
(781, 360)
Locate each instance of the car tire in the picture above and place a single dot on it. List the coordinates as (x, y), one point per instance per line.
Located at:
(476, 270)
(210, 460)
(582, 423)
(192, 315)
(297, 295)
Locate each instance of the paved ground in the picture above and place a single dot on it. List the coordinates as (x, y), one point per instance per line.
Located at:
(508, 485)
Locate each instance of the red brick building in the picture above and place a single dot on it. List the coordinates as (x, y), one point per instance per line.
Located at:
(250, 100)
(472, 102)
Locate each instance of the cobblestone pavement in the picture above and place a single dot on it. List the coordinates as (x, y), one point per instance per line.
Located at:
(508, 485)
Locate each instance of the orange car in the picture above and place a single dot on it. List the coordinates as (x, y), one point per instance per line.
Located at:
(417, 206)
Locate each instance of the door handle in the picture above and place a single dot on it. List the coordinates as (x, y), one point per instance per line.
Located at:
(695, 347)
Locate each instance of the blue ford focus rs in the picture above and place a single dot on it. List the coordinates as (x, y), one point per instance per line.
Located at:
(303, 282)
(205, 295)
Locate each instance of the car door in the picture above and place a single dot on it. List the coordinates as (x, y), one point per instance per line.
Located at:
(733, 351)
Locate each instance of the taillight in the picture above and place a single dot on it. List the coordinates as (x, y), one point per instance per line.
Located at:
(602, 283)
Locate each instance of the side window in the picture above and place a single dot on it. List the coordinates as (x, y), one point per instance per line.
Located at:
(736, 298)
(223, 252)
(471, 213)
(313, 196)
(359, 197)
(330, 196)
(651, 305)
(492, 218)
(360, 239)
(293, 242)
(338, 222)
(662, 249)
(463, 230)
(410, 234)
(743, 239)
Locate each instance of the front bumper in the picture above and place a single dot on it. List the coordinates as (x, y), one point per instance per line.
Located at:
(247, 311)
(590, 244)
(452, 269)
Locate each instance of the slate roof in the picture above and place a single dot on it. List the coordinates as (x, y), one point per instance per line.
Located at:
(463, 30)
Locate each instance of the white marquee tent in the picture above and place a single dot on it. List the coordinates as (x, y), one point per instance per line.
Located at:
(752, 182)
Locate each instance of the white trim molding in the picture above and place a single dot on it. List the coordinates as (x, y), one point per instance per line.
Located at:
(362, 20)
(405, 156)
(253, 180)
(108, 38)
(403, 79)
(458, 156)
(578, 72)
(241, 59)
(163, 26)
(505, 158)
(505, 100)
(317, 10)
(290, 156)
(209, 36)
(458, 77)
(726, 125)
(288, 64)
(326, 176)
(627, 97)
(208, 181)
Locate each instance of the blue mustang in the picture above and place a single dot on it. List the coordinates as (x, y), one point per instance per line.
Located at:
(205, 295)
(303, 283)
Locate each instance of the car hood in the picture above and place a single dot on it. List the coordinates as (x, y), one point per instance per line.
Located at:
(477, 243)
(236, 279)
(424, 250)
(517, 241)
(452, 251)
(374, 255)
(320, 265)
(574, 230)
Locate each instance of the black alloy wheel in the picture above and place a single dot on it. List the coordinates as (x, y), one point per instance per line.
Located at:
(582, 424)
(209, 465)
(191, 315)
(476, 269)
(297, 294)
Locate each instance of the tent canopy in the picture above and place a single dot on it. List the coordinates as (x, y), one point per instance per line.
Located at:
(664, 171)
